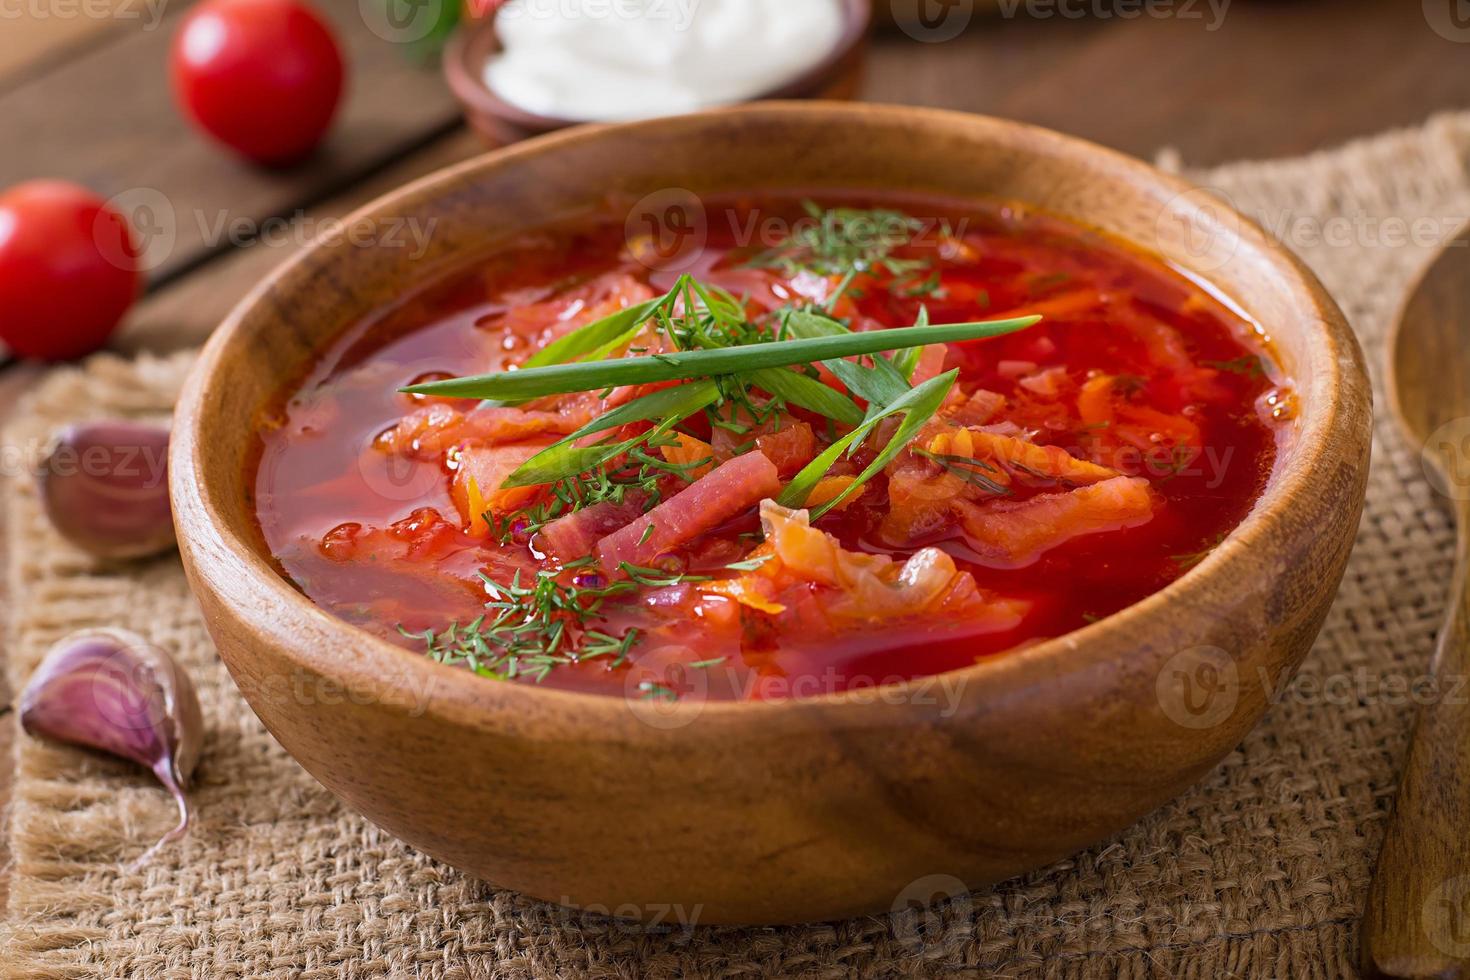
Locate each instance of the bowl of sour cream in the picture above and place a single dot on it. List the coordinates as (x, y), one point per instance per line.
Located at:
(532, 66)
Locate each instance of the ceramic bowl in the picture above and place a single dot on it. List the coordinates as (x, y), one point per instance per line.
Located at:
(498, 122)
(809, 809)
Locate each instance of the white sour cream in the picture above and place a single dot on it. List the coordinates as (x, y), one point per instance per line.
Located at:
(594, 60)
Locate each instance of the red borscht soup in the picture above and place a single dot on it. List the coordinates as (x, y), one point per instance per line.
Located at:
(719, 470)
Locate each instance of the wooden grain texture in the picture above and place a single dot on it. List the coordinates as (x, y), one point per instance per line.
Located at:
(184, 312)
(1278, 77)
(750, 808)
(1415, 922)
(47, 33)
(107, 120)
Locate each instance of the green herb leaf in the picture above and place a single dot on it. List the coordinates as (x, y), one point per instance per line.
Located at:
(905, 361)
(596, 375)
(565, 458)
(881, 383)
(917, 406)
(809, 393)
(968, 469)
(600, 336)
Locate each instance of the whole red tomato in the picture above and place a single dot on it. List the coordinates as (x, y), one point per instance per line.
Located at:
(68, 270)
(261, 76)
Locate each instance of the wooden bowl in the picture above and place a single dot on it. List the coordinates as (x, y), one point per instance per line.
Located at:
(498, 122)
(832, 805)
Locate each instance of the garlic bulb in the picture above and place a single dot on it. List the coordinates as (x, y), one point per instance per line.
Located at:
(114, 691)
(105, 488)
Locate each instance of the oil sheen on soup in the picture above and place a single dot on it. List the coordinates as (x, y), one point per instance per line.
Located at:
(880, 517)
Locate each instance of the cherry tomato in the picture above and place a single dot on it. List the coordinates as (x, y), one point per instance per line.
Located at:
(261, 76)
(68, 270)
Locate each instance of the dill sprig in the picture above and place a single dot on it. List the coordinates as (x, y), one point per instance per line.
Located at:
(528, 630)
(641, 471)
(1247, 365)
(969, 469)
(843, 242)
(1185, 562)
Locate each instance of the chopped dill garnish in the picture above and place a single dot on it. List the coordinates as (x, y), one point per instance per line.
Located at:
(529, 629)
(930, 287)
(969, 469)
(750, 564)
(1186, 562)
(652, 690)
(657, 578)
(1129, 385)
(1248, 365)
(843, 241)
(1043, 283)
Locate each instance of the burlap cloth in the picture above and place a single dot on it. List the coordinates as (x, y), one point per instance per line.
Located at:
(1259, 871)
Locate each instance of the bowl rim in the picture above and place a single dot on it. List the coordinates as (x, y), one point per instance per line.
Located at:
(1322, 445)
(468, 49)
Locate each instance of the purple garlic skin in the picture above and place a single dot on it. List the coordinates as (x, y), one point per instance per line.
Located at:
(105, 488)
(113, 691)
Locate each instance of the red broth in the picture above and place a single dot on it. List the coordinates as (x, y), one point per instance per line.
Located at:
(1160, 405)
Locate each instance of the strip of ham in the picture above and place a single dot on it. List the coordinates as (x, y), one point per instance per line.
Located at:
(575, 535)
(1015, 534)
(710, 501)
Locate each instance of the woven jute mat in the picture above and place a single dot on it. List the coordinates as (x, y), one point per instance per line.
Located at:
(1260, 871)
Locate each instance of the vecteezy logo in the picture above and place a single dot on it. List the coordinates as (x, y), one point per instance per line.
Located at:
(402, 21)
(1450, 19)
(1197, 229)
(933, 21)
(1199, 687)
(151, 219)
(668, 696)
(1446, 459)
(667, 230)
(1446, 916)
(918, 913)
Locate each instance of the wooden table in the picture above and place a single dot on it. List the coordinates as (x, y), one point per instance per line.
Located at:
(86, 99)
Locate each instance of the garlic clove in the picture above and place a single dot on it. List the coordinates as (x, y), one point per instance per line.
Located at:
(112, 690)
(105, 488)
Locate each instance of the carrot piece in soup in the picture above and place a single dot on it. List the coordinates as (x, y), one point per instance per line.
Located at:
(978, 408)
(919, 497)
(476, 488)
(751, 591)
(1095, 401)
(728, 490)
(1034, 460)
(830, 488)
(690, 450)
(1018, 533)
(790, 447)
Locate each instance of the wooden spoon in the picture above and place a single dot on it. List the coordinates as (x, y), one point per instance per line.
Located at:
(1417, 921)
